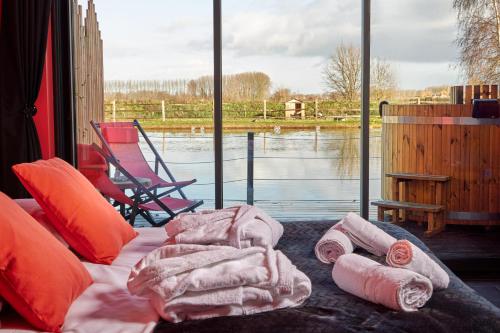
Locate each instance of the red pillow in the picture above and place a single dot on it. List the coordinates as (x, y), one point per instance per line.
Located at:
(39, 277)
(83, 217)
(32, 207)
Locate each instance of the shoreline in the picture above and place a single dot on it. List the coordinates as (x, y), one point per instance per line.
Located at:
(270, 128)
(188, 125)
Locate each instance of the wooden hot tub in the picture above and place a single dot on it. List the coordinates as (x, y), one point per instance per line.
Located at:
(445, 140)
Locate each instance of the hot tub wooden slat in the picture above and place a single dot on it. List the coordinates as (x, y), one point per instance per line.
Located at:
(468, 151)
(429, 154)
(474, 162)
(494, 200)
(485, 168)
(447, 152)
(477, 92)
(494, 91)
(406, 161)
(455, 162)
(468, 94)
(485, 93)
(421, 135)
(464, 203)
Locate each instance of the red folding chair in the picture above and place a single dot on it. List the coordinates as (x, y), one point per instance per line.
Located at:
(93, 164)
(121, 141)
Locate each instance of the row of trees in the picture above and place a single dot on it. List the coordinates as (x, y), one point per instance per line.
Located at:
(236, 87)
(342, 75)
(170, 87)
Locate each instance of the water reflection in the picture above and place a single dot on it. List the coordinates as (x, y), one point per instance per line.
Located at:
(307, 174)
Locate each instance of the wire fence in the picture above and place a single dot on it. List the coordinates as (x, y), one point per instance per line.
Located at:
(270, 187)
(250, 163)
(230, 136)
(164, 110)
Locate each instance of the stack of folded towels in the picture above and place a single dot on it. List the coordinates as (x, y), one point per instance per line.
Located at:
(219, 263)
(406, 284)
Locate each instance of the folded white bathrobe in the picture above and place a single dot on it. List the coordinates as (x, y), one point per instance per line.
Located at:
(240, 227)
(188, 281)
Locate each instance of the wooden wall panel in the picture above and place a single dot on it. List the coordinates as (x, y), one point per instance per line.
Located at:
(89, 78)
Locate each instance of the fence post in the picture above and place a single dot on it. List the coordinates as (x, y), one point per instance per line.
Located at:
(316, 109)
(265, 109)
(114, 110)
(163, 110)
(250, 151)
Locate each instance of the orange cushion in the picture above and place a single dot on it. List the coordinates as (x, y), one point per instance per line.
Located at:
(39, 277)
(32, 207)
(83, 217)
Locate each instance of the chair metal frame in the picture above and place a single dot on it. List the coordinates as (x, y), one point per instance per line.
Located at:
(144, 195)
(158, 160)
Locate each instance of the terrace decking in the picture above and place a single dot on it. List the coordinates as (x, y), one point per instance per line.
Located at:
(469, 251)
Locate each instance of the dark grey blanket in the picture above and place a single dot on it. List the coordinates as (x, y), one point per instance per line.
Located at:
(329, 309)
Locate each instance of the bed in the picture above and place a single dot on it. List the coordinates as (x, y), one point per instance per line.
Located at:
(329, 309)
(107, 306)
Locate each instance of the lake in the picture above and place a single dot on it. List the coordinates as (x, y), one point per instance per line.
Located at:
(298, 175)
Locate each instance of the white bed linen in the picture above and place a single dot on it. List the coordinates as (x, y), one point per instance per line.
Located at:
(107, 305)
(148, 240)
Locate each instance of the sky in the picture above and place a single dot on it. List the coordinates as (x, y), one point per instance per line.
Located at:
(290, 40)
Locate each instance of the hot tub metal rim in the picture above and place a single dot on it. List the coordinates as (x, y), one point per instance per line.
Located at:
(423, 120)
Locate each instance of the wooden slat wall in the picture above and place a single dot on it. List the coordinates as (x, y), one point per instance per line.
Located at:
(470, 155)
(89, 79)
(459, 95)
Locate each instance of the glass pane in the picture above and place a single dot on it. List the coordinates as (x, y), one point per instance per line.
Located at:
(306, 135)
(401, 31)
(157, 61)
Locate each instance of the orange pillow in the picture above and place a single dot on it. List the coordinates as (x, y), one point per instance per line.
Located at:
(32, 207)
(39, 277)
(83, 217)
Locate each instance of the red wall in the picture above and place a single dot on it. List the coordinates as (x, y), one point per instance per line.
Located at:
(44, 119)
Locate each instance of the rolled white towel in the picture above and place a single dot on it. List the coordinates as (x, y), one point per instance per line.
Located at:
(404, 254)
(366, 235)
(396, 288)
(333, 244)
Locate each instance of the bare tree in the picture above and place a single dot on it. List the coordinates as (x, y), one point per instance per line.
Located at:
(383, 80)
(479, 39)
(342, 73)
(281, 95)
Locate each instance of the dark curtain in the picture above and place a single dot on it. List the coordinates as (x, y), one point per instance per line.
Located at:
(23, 40)
(62, 73)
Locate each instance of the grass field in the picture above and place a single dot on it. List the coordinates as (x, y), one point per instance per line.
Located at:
(245, 123)
(238, 115)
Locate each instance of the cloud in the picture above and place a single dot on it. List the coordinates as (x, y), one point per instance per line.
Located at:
(416, 30)
(289, 40)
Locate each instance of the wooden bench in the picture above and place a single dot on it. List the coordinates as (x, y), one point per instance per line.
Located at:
(434, 213)
(417, 176)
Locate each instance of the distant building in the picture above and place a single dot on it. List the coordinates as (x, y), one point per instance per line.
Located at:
(295, 109)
